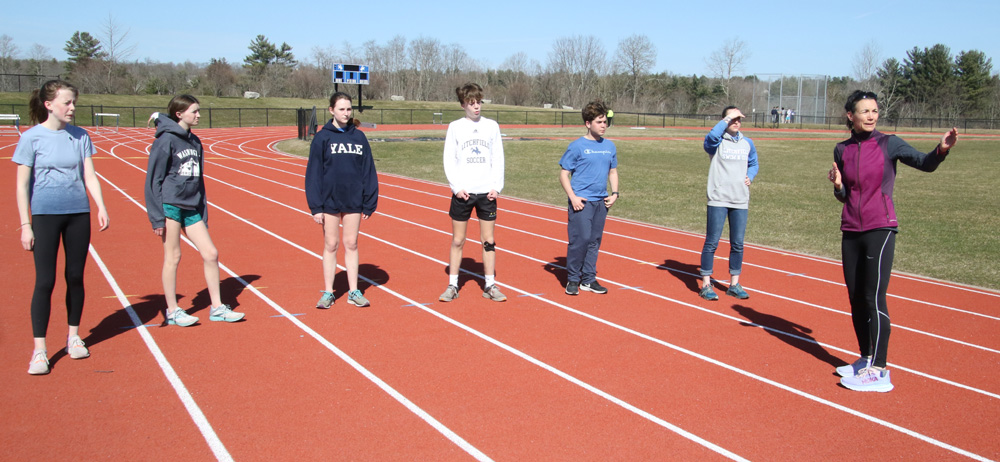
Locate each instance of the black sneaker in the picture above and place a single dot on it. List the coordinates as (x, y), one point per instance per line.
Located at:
(572, 288)
(594, 287)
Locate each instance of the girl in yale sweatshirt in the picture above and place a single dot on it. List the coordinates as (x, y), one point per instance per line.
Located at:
(341, 189)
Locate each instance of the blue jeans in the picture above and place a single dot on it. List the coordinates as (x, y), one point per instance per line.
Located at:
(737, 228)
(585, 229)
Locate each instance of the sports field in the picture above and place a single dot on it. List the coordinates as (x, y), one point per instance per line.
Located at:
(647, 372)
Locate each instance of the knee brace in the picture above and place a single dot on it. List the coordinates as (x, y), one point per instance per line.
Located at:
(489, 246)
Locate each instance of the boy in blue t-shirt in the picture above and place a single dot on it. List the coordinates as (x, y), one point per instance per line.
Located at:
(589, 163)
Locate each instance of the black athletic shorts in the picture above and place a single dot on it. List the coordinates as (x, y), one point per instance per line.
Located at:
(486, 210)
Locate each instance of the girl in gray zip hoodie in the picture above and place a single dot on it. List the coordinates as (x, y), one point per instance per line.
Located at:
(175, 201)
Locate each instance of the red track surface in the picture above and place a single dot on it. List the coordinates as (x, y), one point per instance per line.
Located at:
(647, 372)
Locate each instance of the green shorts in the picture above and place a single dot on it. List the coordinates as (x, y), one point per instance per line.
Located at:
(183, 216)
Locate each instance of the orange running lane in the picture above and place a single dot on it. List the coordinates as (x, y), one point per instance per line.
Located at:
(649, 371)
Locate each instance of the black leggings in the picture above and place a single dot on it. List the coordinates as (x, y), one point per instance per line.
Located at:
(867, 260)
(74, 229)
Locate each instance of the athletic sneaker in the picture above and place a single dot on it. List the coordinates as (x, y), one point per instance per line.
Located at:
(224, 313)
(868, 379)
(708, 294)
(180, 318)
(737, 291)
(75, 348)
(572, 288)
(326, 301)
(449, 294)
(594, 287)
(39, 364)
(852, 369)
(355, 298)
(493, 293)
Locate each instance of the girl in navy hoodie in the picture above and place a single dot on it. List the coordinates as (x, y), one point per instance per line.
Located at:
(341, 189)
(863, 176)
(175, 202)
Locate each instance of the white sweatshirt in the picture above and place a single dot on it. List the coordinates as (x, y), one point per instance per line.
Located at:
(473, 156)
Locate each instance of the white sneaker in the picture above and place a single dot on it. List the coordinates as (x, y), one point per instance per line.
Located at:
(39, 364)
(869, 379)
(76, 349)
(180, 318)
(224, 313)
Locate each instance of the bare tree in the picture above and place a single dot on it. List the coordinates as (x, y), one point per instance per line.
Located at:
(349, 54)
(425, 60)
(578, 61)
(636, 55)
(515, 75)
(8, 63)
(118, 50)
(865, 65)
(324, 57)
(727, 61)
(386, 64)
(38, 57)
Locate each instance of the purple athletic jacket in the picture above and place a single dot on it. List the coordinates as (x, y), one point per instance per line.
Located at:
(867, 164)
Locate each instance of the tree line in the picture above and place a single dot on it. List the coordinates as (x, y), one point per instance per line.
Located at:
(928, 82)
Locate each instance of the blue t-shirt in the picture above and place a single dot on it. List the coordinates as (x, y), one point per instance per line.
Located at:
(589, 162)
(56, 159)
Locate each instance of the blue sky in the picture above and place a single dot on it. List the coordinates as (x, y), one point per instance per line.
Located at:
(791, 37)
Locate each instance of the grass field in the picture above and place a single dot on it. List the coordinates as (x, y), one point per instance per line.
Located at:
(948, 219)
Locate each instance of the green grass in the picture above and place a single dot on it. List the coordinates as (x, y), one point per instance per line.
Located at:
(948, 219)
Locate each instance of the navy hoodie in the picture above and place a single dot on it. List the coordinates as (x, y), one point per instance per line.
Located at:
(174, 174)
(340, 175)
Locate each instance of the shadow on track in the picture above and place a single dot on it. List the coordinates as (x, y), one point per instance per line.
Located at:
(802, 339)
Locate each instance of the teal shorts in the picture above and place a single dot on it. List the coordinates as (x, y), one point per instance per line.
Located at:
(183, 216)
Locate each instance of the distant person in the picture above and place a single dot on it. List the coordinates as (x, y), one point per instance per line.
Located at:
(791, 115)
(474, 166)
(863, 177)
(731, 170)
(341, 190)
(781, 115)
(611, 118)
(788, 115)
(589, 164)
(176, 202)
(55, 171)
(774, 115)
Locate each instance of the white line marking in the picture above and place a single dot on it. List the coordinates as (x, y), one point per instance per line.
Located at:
(214, 443)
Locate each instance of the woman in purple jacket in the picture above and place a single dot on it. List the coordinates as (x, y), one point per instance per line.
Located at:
(863, 176)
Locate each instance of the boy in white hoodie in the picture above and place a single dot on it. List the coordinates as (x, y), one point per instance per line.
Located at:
(473, 163)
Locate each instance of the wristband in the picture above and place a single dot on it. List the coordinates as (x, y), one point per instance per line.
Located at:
(23, 225)
(614, 193)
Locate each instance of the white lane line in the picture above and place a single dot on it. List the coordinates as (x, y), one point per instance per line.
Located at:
(763, 292)
(715, 313)
(621, 403)
(207, 432)
(801, 302)
(660, 228)
(663, 423)
(719, 363)
(655, 340)
(426, 417)
(746, 263)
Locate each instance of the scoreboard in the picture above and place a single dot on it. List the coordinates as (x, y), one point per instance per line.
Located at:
(350, 73)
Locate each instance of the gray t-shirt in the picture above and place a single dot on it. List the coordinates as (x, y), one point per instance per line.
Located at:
(56, 160)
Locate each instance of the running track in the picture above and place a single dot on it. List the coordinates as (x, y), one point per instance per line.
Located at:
(647, 372)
